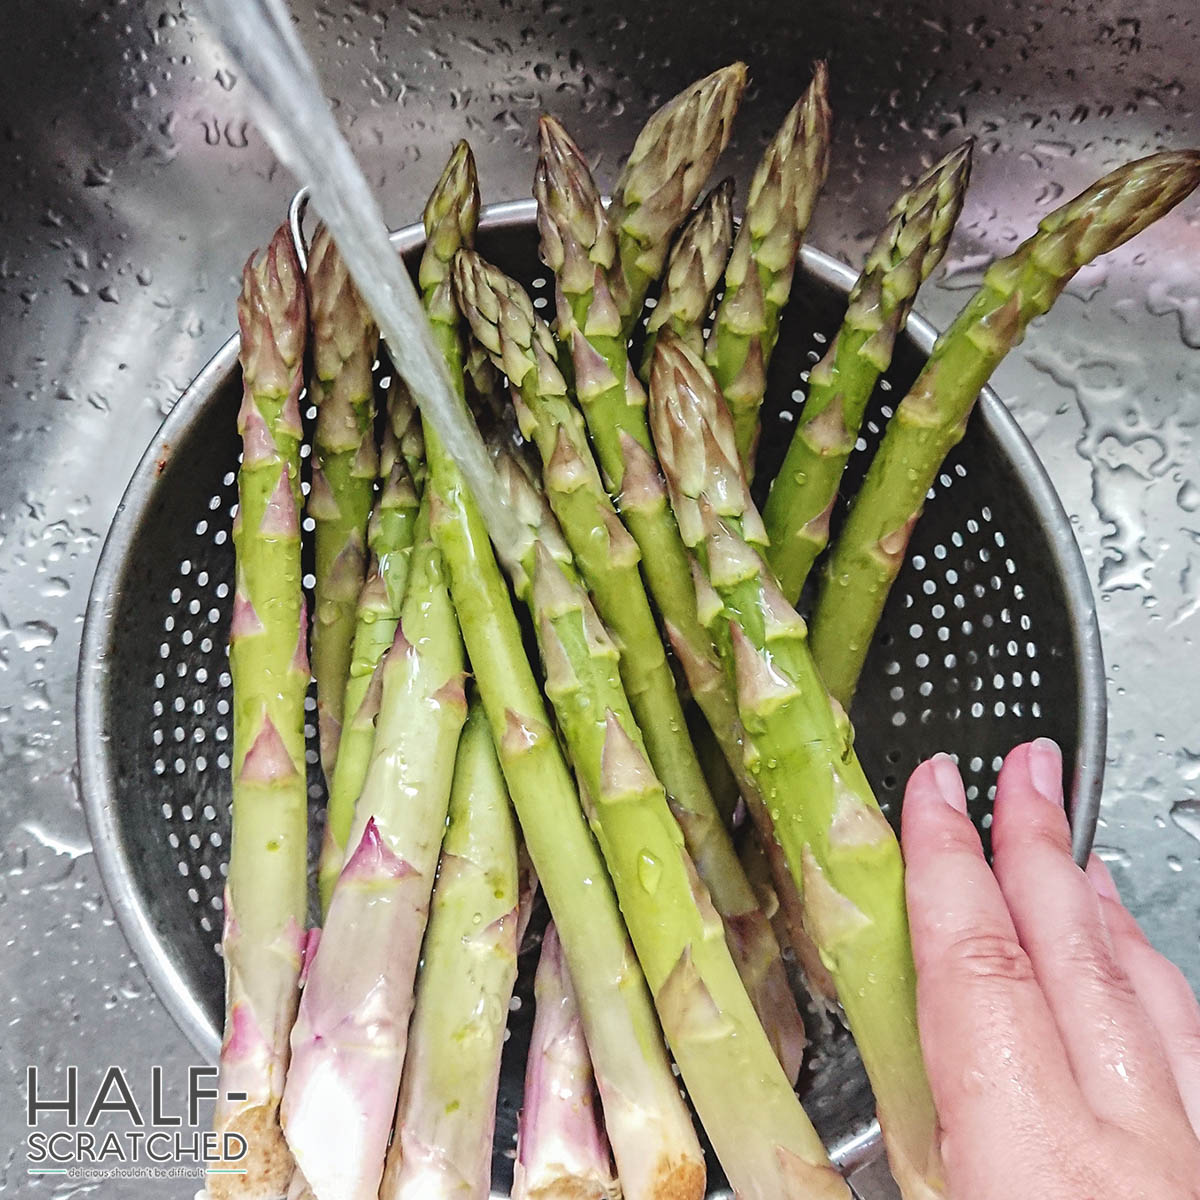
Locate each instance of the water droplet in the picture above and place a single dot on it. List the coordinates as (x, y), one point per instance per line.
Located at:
(97, 175)
(1114, 856)
(649, 871)
(33, 635)
(1189, 497)
(1186, 814)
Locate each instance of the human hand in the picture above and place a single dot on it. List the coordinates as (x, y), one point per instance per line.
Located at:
(1062, 1049)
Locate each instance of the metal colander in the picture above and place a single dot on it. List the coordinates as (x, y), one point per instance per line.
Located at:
(989, 638)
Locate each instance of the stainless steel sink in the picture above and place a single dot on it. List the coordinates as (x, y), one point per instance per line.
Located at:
(134, 188)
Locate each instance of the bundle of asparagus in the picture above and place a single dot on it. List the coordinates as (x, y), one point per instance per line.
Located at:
(637, 533)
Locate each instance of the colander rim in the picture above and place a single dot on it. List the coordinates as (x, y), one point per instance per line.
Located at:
(99, 789)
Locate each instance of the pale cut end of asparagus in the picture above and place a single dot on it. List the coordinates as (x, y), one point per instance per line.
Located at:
(672, 158)
(693, 272)
(266, 893)
(562, 1150)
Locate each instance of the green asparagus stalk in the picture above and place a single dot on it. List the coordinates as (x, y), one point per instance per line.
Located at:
(762, 1137)
(390, 538)
(345, 465)
(670, 161)
(758, 279)
(562, 1152)
(904, 255)
(442, 1145)
(503, 320)
(932, 418)
(694, 269)
(656, 1150)
(266, 893)
(578, 244)
(351, 1032)
(842, 853)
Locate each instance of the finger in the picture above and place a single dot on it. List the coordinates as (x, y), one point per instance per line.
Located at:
(1113, 1048)
(1161, 987)
(992, 1049)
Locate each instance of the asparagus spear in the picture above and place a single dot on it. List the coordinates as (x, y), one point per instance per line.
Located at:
(405, 423)
(266, 893)
(904, 255)
(758, 279)
(764, 1140)
(668, 165)
(840, 849)
(657, 1153)
(504, 321)
(447, 1112)
(350, 1036)
(345, 464)
(694, 269)
(562, 1152)
(390, 537)
(578, 244)
(932, 418)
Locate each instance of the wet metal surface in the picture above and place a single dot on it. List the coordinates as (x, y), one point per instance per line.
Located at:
(134, 189)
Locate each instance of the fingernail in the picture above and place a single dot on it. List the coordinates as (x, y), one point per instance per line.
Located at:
(1102, 880)
(1045, 769)
(948, 781)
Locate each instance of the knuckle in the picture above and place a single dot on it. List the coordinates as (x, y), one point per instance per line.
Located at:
(1085, 955)
(990, 957)
(1049, 832)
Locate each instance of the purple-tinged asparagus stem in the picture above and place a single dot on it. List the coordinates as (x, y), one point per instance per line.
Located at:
(266, 893)
(562, 1150)
(442, 1146)
(350, 1036)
